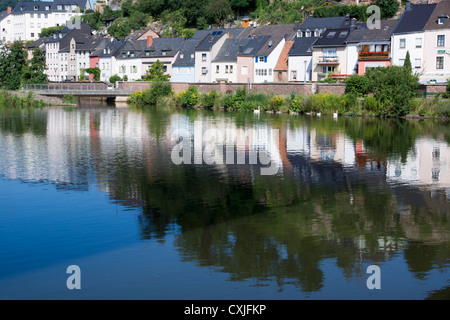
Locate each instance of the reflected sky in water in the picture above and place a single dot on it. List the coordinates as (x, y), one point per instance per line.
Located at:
(97, 187)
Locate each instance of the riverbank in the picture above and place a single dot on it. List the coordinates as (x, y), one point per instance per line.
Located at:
(16, 99)
(320, 103)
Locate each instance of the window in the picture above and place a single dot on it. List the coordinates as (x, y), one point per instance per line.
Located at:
(261, 59)
(217, 69)
(46, 15)
(39, 15)
(226, 69)
(203, 56)
(329, 52)
(181, 56)
(231, 69)
(294, 75)
(417, 63)
(47, 8)
(204, 70)
(244, 70)
(440, 63)
(32, 34)
(441, 21)
(418, 42)
(59, 6)
(177, 70)
(402, 43)
(441, 40)
(261, 72)
(31, 15)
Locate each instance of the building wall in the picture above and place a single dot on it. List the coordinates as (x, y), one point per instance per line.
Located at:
(222, 74)
(371, 64)
(297, 63)
(317, 69)
(133, 68)
(431, 52)
(272, 60)
(52, 61)
(183, 74)
(352, 59)
(210, 55)
(146, 63)
(248, 62)
(416, 52)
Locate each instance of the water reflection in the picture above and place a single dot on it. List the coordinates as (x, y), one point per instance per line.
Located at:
(351, 191)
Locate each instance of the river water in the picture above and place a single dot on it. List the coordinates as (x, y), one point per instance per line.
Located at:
(101, 188)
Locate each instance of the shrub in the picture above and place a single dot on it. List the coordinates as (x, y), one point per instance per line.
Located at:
(448, 89)
(157, 89)
(358, 85)
(209, 100)
(190, 97)
(114, 78)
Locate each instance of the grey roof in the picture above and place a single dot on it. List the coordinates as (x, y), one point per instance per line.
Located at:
(382, 34)
(38, 43)
(3, 14)
(214, 35)
(253, 46)
(162, 47)
(230, 49)
(302, 46)
(39, 6)
(415, 19)
(358, 33)
(321, 23)
(92, 43)
(129, 50)
(333, 38)
(185, 57)
(111, 48)
(276, 34)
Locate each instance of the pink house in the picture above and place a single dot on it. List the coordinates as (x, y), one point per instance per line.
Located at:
(246, 59)
(374, 50)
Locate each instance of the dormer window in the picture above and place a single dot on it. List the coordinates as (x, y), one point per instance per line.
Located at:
(441, 18)
(47, 8)
(181, 56)
(308, 33)
(36, 8)
(59, 7)
(66, 7)
(164, 53)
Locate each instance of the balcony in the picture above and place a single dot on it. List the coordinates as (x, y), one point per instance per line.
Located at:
(373, 55)
(328, 60)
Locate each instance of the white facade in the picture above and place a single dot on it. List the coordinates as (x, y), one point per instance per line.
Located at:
(132, 68)
(108, 67)
(264, 65)
(299, 68)
(412, 42)
(27, 19)
(224, 72)
(203, 61)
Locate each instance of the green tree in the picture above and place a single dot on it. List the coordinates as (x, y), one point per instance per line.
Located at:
(34, 72)
(47, 32)
(12, 62)
(95, 72)
(218, 11)
(388, 8)
(114, 78)
(407, 64)
(156, 72)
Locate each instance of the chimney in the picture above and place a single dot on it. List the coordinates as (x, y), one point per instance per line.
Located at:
(353, 24)
(230, 36)
(8, 10)
(297, 26)
(408, 6)
(149, 41)
(253, 36)
(131, 31)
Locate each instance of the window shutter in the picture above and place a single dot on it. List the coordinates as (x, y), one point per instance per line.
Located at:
(256, 59)
(265, 59)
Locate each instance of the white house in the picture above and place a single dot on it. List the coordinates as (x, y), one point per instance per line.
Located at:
(27, 19)
(408, 35)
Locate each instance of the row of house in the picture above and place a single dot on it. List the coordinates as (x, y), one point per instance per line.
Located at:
(311, 51)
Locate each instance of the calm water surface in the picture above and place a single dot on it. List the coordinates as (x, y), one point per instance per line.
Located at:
(96, 187)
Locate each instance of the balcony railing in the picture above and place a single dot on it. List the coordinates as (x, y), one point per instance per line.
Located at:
(373, 55)
(328, 60)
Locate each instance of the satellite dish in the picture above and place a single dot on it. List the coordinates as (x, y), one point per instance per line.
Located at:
(270, 43)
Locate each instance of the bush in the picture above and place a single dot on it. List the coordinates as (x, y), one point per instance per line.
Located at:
(358, 85)
(448, 89)
(394, 88)
(209, 100)
(157, 89)
(190, 97)
(114, 78)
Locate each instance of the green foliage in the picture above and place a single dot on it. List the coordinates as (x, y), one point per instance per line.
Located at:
(114, 78)
(209, 100)
(190, 97)
(358, 85)
(11, 101)
(407, 64)
(156, 72)
(12, 63)
(388, 8)
(95, 72)
(394, 87)
(157, 89)
(354, 11)
(33, 73)
(448, 89)
(47, 32)
(69, 98)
